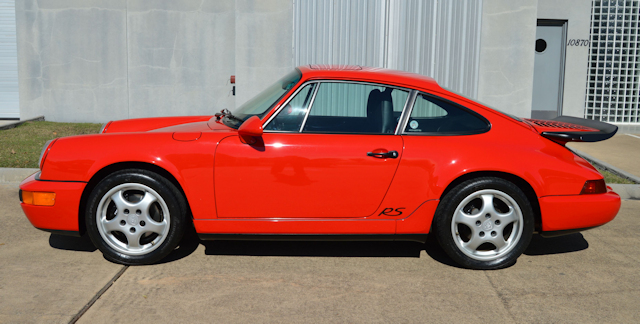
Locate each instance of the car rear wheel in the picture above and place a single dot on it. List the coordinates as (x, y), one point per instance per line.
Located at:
(484, 223)
(135, 217)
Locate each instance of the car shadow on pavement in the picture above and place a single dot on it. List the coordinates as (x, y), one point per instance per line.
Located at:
(188, 244)
(314, 248)
(538, 246)
(433, 249)
(71, 243)
(555, 245)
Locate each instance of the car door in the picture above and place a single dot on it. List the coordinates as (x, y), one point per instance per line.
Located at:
(330, 152)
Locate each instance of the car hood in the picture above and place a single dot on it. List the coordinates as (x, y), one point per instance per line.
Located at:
(166, 124)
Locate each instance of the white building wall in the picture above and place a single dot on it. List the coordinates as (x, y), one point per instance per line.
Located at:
(100, 60)
(507, 55)
(109, 59)
(263, 34)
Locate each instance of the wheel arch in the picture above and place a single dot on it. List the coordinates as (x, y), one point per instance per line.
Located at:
(528, 190)
(109, 169)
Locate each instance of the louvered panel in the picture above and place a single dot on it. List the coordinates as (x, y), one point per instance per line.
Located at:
(9, 107)
(339, 32)
(437, 38)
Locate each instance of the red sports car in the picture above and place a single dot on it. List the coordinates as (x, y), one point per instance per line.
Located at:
(327, 152)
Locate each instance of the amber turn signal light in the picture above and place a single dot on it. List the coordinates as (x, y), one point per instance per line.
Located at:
(594, 187)
(38, 198)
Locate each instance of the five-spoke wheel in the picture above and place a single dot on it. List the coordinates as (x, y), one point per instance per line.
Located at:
(487, 224)
(135, 216)
(484, 223)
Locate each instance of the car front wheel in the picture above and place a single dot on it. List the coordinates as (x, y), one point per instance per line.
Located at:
(135, 217)
(484, 223)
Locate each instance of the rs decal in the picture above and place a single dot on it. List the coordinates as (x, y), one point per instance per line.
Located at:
(391, 212)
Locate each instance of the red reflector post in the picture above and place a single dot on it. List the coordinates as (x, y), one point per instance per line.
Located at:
(594, 187)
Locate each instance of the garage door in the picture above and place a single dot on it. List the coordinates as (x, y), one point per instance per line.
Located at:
(440, 39)
(9, 108)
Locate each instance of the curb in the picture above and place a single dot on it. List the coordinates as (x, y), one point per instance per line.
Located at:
(626, 191)
(20, 122)
(15, 174)
(607, 166)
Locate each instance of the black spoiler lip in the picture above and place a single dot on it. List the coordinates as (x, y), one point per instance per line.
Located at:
(605, 130)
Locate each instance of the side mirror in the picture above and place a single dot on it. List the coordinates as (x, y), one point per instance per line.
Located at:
(250, 129)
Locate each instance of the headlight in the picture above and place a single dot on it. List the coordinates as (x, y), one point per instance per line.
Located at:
(104, 127)
(45, 150)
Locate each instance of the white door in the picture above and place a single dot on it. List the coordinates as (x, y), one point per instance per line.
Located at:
(548, 75)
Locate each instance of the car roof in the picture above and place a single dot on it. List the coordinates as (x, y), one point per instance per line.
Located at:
(371, 74)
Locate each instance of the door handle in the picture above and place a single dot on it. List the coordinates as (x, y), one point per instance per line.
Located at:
(390, 154)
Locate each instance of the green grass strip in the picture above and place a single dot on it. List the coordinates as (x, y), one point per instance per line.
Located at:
(20, 147)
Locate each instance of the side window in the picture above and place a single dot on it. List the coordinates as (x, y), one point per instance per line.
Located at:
(289, 118)
(432, 115)
(354, 108)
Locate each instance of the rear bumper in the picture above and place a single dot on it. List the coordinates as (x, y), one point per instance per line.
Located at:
(564, 213)
(63, 215)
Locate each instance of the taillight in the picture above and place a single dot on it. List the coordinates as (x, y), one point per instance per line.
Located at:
(594, 187)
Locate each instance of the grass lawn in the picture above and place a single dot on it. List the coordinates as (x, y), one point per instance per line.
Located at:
(612, 178)
(20, 147)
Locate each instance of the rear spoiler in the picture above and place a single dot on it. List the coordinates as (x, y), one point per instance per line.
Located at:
(565, 129)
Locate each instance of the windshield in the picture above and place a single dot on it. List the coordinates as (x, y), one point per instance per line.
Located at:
(261, 104)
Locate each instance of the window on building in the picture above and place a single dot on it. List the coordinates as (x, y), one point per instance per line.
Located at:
(612, 73)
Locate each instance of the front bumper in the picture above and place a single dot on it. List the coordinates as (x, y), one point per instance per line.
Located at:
(63, 215)
(563, 213)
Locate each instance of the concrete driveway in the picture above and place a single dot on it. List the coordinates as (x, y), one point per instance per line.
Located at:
(622, 151)
(589, 277)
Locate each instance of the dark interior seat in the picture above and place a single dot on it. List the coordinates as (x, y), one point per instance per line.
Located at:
(380, 112)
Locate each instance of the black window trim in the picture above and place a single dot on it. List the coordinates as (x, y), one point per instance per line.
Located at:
(429, 95)
(284, 104)
(398, 131)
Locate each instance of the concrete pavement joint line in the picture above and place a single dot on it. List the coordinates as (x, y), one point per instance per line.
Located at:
(626, 191)
(606, 166)
(633, 135)
(503, 300)
(98, 295)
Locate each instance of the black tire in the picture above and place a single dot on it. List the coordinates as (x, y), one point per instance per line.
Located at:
(479, 235)
(121, 211)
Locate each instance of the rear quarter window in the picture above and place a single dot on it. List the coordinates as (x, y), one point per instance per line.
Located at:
(436, 116)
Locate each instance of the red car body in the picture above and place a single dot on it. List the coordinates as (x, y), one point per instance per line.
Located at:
(305, 183)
